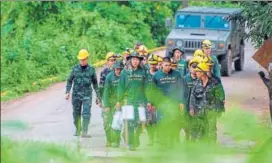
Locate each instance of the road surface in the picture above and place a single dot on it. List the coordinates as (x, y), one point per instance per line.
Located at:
(47, 116)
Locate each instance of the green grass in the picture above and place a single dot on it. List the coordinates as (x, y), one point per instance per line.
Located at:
(36, 152)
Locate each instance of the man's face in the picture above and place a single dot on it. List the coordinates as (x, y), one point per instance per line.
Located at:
(135, 62)
(83, 62)
(153, 67)
(166, 66)
(199, 74)
(111, 61)
(117, 71)
(177, 54)
(144, 61)
(207, 51)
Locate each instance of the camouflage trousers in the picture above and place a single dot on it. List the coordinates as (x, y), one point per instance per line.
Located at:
(204, 127)
(81, 106)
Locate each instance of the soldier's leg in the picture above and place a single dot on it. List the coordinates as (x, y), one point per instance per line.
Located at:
(77, 105)
(212, 127)
(86, 115)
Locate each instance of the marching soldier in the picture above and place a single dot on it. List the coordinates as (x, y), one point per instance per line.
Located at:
(178, 56)
(109, 101)
(206, 51)
(110, 58)
(206, 104)
(151, 112)
(169, 86)
(131, 92)
(82, 78)
(189, 80)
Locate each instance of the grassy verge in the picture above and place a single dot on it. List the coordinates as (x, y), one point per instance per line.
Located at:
(36, 152)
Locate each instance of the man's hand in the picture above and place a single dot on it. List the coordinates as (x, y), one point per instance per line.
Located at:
(192, 112)
(117, 106)
(181, 107)
(67, 96)
(107, 110)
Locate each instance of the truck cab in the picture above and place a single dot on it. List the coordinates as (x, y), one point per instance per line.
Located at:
(192, 25)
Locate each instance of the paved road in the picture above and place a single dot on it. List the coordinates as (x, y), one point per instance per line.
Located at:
(48, 116)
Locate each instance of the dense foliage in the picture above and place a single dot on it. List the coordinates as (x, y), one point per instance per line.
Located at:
(41, 39)
(258, 16)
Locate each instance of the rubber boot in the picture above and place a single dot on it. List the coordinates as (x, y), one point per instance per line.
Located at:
(85, 124)
(77, 123)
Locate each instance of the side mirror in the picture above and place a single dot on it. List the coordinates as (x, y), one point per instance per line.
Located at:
(168, 22)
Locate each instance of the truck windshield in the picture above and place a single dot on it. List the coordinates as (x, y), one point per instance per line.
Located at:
(216, 22)
(188, 21)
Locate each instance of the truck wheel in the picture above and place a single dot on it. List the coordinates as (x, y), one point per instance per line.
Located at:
(226, 64)
(239, 64)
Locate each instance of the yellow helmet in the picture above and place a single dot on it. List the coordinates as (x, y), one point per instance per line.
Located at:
(160, 59)
(208, 60)
(109, 55)
(82, 54)
(203, 67)
(199, 52)
(153, 59)
(142, 50)
(206, 44)
(196, 59)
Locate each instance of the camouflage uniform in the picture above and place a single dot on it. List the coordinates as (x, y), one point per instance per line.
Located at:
(82, 78)
(109, 101)
(207, 103)
(189, 84)
(103, 76)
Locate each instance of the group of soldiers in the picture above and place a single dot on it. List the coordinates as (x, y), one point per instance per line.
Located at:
(144, 91)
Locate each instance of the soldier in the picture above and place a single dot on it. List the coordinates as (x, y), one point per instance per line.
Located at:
(109, 101)
(82, 77)
(178, 55)
(169, 102)
(151, 112)
(126, 53)
(206, 51)
(110, 58)
(189, 80)
(206, 104)
(131, 92)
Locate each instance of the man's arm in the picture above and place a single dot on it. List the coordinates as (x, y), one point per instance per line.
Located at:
(95, 84)
(70, 82)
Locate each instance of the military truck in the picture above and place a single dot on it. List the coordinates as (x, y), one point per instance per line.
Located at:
(194, 24)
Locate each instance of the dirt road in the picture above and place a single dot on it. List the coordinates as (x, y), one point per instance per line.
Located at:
(48, 116)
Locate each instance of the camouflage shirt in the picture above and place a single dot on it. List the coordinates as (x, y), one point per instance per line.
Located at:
(82, 80)
(207, 98)
(189, 84)
(103, 76)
